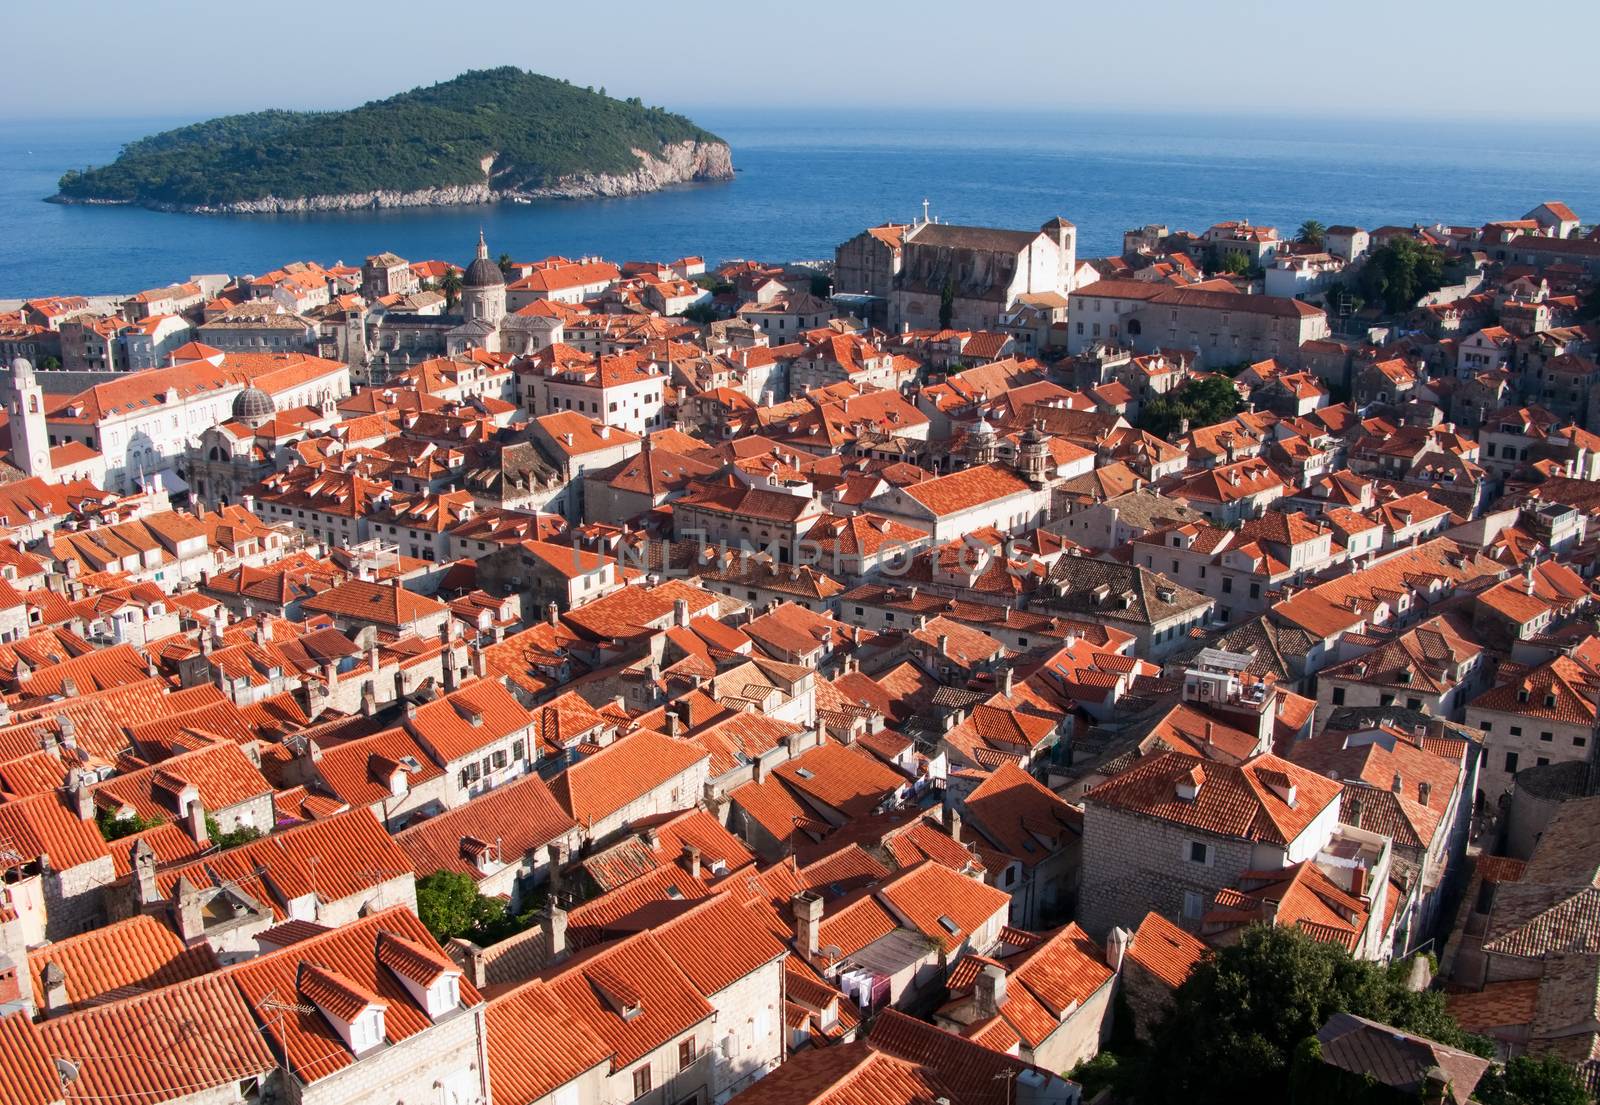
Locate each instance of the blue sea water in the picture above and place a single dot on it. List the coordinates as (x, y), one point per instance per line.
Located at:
(808, 180)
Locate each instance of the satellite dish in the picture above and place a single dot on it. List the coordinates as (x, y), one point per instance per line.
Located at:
(68, 1071)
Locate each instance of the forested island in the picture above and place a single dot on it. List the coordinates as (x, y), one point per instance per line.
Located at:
(487, 135)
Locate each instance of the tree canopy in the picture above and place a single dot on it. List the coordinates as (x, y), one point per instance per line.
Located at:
(1529, 1081)
(535, 129)
(1231, 262)
(1235, 1024)
(113, 827)
(1312, 233)
(1203, 402)
(1399, 273)
(449, 905)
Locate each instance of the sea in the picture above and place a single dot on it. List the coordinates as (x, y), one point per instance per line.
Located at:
(808, 179)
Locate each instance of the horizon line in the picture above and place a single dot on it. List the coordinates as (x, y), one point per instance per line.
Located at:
(1374, 115)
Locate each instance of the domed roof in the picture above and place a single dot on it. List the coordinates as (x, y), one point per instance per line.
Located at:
(483, 273)
(253, 403)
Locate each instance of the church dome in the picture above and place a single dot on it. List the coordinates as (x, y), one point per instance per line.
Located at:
(253, 405)
(483, 273)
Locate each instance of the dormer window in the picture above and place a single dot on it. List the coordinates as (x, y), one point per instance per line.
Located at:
(366, 1031)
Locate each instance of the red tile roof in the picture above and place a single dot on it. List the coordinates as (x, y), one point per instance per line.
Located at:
(929, 894)
(536, 1046)
(515, 819)
(340, 970)
(1165, 950)
(118, 960)
(635, 975)
(600, 785)
(1230, 800)
(468, 720)
(162, 1046)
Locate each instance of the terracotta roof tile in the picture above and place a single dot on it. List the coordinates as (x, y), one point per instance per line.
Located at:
(1230, 800)
(516, 818)
(1165, 950)
(602, 784)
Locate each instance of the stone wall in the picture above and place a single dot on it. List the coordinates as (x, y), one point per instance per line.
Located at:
(1133, 864)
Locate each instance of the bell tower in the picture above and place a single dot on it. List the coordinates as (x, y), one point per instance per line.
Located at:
(1033, 456)
(30, 440)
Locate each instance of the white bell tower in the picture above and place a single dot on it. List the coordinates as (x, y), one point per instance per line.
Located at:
(30, 440)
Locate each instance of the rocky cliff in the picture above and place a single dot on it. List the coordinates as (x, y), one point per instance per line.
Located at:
(677, 163)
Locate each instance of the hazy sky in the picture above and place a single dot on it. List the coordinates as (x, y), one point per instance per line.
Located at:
(1355, 58)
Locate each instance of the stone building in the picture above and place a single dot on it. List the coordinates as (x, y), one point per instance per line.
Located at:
(1172, 831)
(977, 273)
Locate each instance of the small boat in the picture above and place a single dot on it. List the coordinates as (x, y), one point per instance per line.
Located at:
(520, 199)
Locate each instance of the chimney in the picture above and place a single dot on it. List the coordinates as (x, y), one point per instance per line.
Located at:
(55, 988)
(470, 957)
(195, 822)
(673, 724)
(1424, 792)
(189, 911)
(1398, 785)
(1118, 941)
(990, 990)
(144, 871)
(82, 796)
(557, 934)
(950, 817)
(1006, 683)
(944, 644)
(557, 857)
(691, 859)
(807, 922)
(680, 612)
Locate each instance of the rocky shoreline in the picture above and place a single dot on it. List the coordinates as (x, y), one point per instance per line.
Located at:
(676, 163)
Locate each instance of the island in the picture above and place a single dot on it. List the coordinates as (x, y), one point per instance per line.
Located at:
(485, 136)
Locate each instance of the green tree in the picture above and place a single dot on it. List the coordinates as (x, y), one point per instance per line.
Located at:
(1203, 402)
(1529, 1081)
(538, 130)
(240, 834)
(1311, 233)
(947, 302)
(1235, 1024)
(1399, 273)
(113, 827)
(449, 905)
(1105, 1071)
(1233, 263)
(821, 286)
(450, 285)
(506, 268)
(701, 313)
